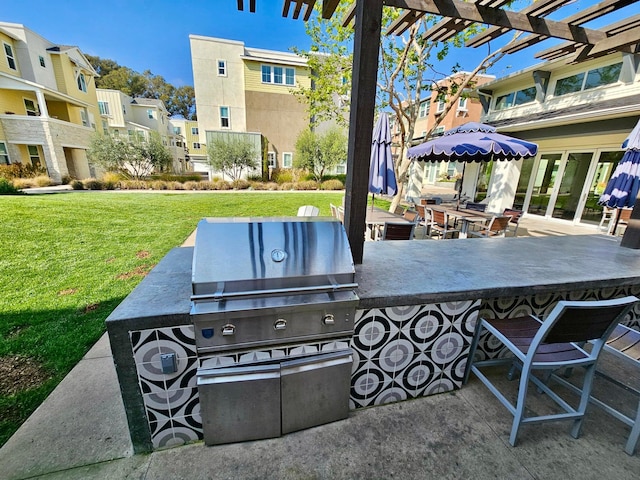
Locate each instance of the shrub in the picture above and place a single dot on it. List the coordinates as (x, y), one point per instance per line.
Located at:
(254, 177)
(204, 185)
(175, 185)
(21, 183)
(285, 186)
(271, 186)
(280, 176)
(43, 181)
(20, 170)
(133, 185)
(240, 184)
(77, 185)
(158, 185)
(306, 185)
(66, 179)
(7, 187)
(93, 184)
(172, 177)
(190, 185)
(334, 184)
(111, 180)
(221, 185)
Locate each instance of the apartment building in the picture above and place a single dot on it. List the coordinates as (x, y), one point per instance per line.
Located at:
(136, 118)
(579, 114)
(187, 134)
(242, 90)
(467, 109)
(48, 104)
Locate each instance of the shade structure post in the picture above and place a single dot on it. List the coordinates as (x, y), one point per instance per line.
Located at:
(631, 237)
(368, 21)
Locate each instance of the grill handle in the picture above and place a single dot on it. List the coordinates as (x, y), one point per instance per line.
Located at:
(274, 291)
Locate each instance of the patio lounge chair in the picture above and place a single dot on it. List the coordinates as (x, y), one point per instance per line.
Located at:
(516, 215)
(547, 346)
(497, 227)
(440, 224)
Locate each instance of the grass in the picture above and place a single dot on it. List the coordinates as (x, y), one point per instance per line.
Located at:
(68, 260)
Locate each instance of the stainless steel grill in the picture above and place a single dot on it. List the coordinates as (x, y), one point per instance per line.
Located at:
(262, 283)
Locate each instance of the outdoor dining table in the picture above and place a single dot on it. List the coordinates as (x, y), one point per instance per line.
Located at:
(377, 217)
(466, 217)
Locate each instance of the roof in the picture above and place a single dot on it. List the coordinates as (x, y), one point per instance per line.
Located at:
(148, 102)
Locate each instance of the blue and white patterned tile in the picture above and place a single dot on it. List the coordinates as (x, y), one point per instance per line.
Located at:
(373, 333)
(368, 383)
(426, 328)
(447, 348)
(390, 395)
(403, 314)
(394, 357)
(186, 429)
(417, 375)
(183, 336)
(145, 345)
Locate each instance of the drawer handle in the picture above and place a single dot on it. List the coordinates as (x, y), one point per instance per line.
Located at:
(328, 319)
(228, 330)
(280, 324)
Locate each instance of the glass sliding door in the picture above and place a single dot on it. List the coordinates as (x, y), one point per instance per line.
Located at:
(543, 183)
(607, 162)
(574, 174)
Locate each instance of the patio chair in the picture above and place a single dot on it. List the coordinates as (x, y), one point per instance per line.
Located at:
(424, 219)
(547, 346)
(398, 231)
(516, 215)
(440, 224)
(497, 227)
(411, 215)
(624, 215)
(478, 207)
(308, 211)
(607, 219)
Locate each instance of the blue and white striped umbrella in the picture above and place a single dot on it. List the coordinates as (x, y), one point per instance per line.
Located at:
(382, 177)
(624, 184)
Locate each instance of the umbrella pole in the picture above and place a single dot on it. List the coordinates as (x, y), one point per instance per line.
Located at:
(460, 189)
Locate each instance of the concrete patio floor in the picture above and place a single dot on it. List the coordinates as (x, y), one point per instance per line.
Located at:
(80, 433)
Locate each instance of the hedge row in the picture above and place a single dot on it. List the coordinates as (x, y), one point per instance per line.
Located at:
(95, 184)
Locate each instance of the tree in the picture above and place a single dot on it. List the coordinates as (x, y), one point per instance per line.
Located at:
(407, 72)
(232, 156)
(135, 159)
(320, 152)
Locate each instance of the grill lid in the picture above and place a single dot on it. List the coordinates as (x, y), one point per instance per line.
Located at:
(235, 257)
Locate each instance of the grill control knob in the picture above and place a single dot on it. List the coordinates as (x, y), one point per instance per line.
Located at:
(280, 324)
(328, 319)
(228, 330)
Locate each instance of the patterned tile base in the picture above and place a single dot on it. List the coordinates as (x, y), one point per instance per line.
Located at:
(398, 353)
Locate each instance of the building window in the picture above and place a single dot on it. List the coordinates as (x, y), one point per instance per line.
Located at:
(341, 169)
(513, 99)
(278, 75)
(11, 59)
(84, 118)
(441, 105)
(424, 109)
(597, 77)
(224, 117)
(30, 107)
(222, 68)
(196, 146)
(104, 108)
(42, 64)
(177, 130)
(4, 154)
(105, 127)
(290, 76)
(124, 110)
(149, 113)
(266, 74)
(34, 155)
(82, 82)
(271, 159)
(462, 104)
(287, 159)
(194, 130)
(438, 131)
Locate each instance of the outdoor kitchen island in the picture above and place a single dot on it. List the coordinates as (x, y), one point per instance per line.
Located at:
(418, 305)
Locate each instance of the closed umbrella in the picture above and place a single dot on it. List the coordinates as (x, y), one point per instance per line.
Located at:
(622, 188)
(472, 142)
(382, 177)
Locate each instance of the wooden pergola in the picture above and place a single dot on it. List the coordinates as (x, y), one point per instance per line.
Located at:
(581, 42)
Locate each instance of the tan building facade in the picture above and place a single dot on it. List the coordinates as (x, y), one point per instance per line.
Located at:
(48, 104)
(247, 90)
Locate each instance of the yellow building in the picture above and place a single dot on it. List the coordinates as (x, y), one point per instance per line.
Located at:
(243, 90)
(48, 104)
(187, 137)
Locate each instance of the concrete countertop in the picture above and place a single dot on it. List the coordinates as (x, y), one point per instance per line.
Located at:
(419, 272)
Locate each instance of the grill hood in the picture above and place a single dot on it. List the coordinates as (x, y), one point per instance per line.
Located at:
(236, 257)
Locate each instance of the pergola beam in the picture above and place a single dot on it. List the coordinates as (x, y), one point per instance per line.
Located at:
(501, 18)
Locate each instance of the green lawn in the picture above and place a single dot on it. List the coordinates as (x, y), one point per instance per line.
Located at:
(67, 260)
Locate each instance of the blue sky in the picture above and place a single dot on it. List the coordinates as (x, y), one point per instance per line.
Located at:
(154, 35)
